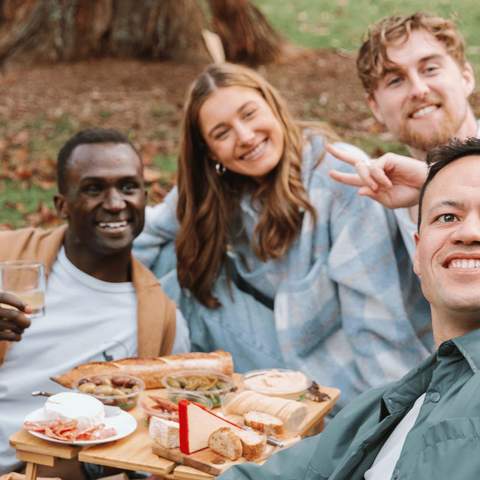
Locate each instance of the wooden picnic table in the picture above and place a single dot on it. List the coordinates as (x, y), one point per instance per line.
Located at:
(135, 451)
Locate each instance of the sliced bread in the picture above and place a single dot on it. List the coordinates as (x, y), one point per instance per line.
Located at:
(226, 442)
(253, 444)
(264, 422)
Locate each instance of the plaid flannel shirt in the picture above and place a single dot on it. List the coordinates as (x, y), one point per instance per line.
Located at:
(348, 310)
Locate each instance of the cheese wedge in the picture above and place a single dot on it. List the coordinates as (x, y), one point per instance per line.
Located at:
(197, 423)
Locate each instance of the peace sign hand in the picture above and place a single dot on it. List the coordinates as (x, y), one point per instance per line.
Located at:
(392, 180)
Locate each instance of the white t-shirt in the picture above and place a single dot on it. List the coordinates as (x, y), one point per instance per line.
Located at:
(386, 459)
(86, 320)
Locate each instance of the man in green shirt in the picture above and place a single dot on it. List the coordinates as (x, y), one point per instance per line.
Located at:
(426, 425)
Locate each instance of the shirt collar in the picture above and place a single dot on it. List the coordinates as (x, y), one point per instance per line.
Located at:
(469, 347)
(402, 394)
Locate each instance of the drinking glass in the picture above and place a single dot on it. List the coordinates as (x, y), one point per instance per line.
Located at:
(26, 280)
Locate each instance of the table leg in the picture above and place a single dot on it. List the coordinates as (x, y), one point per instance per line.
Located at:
(31, 471)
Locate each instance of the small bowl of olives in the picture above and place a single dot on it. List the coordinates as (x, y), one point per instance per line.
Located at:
(211, 384)
(117, 390)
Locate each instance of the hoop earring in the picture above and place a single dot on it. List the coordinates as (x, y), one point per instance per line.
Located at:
(220, 169)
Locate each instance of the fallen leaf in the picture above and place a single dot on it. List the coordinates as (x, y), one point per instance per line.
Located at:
(23, 173)
(21, 138)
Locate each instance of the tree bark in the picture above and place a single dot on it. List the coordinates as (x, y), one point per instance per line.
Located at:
(246, 35)
(63, 30)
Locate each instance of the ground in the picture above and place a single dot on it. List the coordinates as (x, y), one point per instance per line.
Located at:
(41, 107)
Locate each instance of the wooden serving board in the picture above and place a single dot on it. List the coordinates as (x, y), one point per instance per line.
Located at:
(209, 462)
(131, 453)
(206, 464)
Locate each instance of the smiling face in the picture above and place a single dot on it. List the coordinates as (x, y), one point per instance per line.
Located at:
(423, 97)
(447, 258)
(241, 131)
(104, 201)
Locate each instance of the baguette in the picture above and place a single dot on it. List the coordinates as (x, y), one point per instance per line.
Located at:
(151, 370)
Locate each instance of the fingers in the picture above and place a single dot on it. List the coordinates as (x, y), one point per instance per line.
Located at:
(363, 165)
(341, 154)
(364, 171)
(12, 300)
(347, 178)
(13, 321)
(11, 325)
(378, 174)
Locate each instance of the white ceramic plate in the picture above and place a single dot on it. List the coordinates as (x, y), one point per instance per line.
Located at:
(124, 424)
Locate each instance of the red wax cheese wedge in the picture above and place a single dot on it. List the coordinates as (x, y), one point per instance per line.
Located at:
(197, 423)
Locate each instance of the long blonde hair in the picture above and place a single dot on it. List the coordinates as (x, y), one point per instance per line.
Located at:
(208, 203)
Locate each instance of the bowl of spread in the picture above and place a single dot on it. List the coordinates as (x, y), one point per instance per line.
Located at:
(277, 382)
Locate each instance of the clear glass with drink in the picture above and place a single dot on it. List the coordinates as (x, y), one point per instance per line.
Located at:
(26, 280)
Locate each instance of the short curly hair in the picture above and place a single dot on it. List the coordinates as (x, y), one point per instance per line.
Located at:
(372, 59)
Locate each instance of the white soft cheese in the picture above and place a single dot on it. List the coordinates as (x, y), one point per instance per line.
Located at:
(87, 410)
(165, 432)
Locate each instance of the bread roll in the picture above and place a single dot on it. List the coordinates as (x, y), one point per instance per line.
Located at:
(264, 422)
(226, 442)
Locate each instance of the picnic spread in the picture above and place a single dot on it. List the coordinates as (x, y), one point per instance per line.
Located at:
(185, 416)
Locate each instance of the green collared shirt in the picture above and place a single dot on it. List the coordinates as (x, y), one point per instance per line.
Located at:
(443, 444)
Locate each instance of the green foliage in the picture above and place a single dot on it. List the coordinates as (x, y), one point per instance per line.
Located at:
(18, 199)
(165, 163)
(341, 24)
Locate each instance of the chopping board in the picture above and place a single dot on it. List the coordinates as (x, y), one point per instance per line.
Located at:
(209, 462)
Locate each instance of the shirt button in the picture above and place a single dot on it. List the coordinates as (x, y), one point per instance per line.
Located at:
(447, 348)
(434, 397)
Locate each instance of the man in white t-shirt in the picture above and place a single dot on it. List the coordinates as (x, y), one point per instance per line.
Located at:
(101, 303)
(426, 425)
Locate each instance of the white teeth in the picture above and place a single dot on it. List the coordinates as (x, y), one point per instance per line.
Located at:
(112, 225)
(256, 151)
(465, 263)
(424, 111)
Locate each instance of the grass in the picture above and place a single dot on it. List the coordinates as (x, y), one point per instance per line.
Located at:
(341, 24)
(20, 198)
(166, 163)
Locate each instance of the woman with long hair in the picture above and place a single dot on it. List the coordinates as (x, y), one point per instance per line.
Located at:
(269, 258)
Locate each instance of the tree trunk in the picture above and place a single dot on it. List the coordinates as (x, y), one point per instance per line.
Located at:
(246, 35)
(56, 30)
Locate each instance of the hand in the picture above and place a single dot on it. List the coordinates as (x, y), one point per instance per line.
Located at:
(392, 180)
(13, 321)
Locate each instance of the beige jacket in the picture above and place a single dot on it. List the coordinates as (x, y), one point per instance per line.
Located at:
(155, 311)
